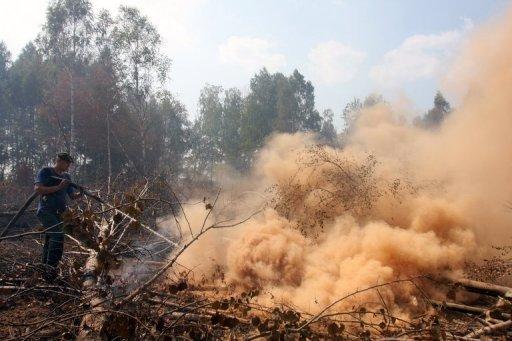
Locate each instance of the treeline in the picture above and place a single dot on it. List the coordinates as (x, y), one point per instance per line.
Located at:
(93, 84)
(231, 127)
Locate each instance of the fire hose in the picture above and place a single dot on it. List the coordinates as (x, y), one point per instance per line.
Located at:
(34, 195)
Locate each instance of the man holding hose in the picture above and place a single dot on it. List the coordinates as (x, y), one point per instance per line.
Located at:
(52, 203)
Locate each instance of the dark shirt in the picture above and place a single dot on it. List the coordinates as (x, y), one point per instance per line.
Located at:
(55, 202)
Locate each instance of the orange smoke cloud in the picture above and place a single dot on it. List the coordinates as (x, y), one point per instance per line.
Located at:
(397, 201)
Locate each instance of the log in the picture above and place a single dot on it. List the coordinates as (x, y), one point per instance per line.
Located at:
(461, 308)
(14, 280)
(466, 309)
(190, 316)
(490, 329)
(206, 312)
(483, 288)
(8, 289)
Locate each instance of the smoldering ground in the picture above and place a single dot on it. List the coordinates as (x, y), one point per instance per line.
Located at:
(396, 201)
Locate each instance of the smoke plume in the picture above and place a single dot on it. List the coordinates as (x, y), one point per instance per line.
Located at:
(396, 201)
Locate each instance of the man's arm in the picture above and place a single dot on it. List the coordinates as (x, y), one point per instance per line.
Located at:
(43, 177)
(42, 190)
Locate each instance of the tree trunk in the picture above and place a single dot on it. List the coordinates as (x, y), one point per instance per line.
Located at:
(109, 153)
(72, 115)
(144, 147)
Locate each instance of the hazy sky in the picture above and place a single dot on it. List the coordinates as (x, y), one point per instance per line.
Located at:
(346, 47)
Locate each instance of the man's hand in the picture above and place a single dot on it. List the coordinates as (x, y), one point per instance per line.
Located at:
(64, 183)
(76, 195)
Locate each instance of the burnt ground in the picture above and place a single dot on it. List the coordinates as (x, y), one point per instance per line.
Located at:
(32, 308)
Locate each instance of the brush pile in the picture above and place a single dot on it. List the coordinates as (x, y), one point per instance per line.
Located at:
(122, 279)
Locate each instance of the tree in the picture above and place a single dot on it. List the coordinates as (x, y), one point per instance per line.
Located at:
(66, 40)
(351, 113)
(287, 118)
(294, 104)
(328, 134)
(435, 116)
(26, 82)
(277, 103)
(218, 124)
(209, 124)
(140, 65)
(99, 82)
(304, 93)
(353, 110)
(105, 89)
(259, 111)
(230, 135)
(103, 36)
(99, 114)
(5, 61)
(94, 85)
(175, 134)
(372, 100)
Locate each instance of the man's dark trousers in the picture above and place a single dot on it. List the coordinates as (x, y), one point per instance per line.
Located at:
(54, 238)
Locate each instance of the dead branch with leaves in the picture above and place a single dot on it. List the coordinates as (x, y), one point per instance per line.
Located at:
(121, 278)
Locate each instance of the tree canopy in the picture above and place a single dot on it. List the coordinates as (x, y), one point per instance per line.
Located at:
(435, 116)
(94, 84)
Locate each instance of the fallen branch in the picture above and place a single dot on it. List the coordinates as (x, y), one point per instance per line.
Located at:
(188, 308)
(14, 236)
(163, 269)
(460, 307)
(490, 329)
(320, 314)
(482, 287)
(6, 289)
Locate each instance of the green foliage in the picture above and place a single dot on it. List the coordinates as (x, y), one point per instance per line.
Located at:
(353, 110)
(304, 93)
(94, 84)
(328, 134)
(26, 83)
(435, 116)
(66, 35)
(175, 133)
(351, 113)
(139, 64)
(217, 130)
(230, 134)
(5, 60)
(208, 129)
(278, 103)
(259, 111)
(86, 77)
(136, 44)
(230, 128)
